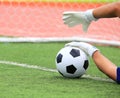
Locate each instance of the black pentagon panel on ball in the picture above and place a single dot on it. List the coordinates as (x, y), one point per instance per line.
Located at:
(86, 63)
(75, 52)
(71, 69)
(59, 58)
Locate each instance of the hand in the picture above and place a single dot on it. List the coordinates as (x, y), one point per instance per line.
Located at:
(87, 48)
(73, 18)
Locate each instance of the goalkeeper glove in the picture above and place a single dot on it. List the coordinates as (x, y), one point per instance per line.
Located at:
(73, 18)
(87, 48)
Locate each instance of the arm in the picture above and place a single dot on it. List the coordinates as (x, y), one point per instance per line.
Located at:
(107, 11)
(103, 63)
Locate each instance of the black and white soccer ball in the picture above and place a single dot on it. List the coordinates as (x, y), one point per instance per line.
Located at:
(71, 62)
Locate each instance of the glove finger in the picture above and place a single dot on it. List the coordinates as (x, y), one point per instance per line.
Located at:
(68, 13)
(85, 26)
(74, 44)
(73, 23)
(68, 20)
(65, 17)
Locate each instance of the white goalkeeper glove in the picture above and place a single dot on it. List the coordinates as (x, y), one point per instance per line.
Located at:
(87, 48)
(73, 18)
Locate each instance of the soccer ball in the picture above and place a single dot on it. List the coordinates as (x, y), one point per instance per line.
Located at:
(71, 62)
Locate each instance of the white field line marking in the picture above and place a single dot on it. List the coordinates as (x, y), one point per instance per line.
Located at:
(27, 66)
(48, 69)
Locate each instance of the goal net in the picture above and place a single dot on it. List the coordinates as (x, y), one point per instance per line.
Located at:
(41, 21)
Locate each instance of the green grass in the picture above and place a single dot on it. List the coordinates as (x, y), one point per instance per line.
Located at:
(20, 82)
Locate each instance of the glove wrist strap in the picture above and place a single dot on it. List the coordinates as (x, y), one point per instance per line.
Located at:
(89, 14)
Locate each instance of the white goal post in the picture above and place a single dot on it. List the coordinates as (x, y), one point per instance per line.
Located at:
(56, 39)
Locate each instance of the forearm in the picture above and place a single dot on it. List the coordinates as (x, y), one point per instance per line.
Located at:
(107, 11)
(105, 65)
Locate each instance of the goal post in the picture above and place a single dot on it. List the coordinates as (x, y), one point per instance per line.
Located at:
(56, 39)
(41, 21)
